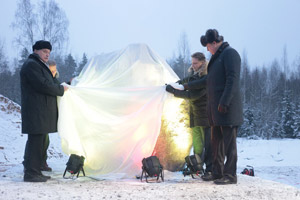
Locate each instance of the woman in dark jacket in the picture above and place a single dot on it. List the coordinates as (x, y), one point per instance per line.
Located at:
(198, 114)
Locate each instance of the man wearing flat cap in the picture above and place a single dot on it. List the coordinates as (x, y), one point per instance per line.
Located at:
(38, 108)
(224, 105)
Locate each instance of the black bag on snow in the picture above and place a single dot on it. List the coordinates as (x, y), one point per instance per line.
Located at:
(75, 165)
(152, 168)
(193, 165)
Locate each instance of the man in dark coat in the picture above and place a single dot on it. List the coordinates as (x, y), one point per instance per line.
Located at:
(38, 108)
(224, 106)
(198, 115)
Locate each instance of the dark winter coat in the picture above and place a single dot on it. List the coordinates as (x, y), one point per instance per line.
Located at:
(38, 97)
(197, 100)
(223, 87)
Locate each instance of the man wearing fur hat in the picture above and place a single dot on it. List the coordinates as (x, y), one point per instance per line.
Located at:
(198, 115)
(38, 108)
(224, 106)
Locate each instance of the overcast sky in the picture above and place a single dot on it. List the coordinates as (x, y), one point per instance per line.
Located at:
(260, 27)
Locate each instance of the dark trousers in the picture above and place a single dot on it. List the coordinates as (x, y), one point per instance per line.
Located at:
(45, 148)
(224, 146)
(34, 153)
(207, 150)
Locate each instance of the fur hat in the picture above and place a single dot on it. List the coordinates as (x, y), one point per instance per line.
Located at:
(211, 35)
(42, 44)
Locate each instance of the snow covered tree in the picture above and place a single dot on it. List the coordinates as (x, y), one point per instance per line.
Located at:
(285, 121)
(296, 125)
(248, 127)
(277, 125)
(288, 116)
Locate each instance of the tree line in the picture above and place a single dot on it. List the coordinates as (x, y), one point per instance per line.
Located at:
(271, 100)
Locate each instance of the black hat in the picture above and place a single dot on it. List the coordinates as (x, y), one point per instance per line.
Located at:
(42, 44)
(211, 36)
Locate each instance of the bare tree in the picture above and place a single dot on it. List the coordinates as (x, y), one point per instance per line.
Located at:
(48, 22)
(285, 65)
(184, 51)
(245, 78)
(53, 24)
(296, 67)
(24, 24)
(285, 60)
(273, 75)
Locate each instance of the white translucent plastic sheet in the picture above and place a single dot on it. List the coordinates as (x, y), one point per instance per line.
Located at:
(112, 112)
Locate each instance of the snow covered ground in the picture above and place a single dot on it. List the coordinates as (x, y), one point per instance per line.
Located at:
(276, 164)
(275, 160)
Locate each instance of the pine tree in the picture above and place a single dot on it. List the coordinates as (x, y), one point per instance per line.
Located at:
(67, 69)
(288, 116)
(24, 56)
(81, 64)
(296, 125)
(178, 66)
(248, 127)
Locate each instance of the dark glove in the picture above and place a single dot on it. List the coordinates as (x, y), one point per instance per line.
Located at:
(186, 86)
(222, 108)
(179, 82)
(170, 89)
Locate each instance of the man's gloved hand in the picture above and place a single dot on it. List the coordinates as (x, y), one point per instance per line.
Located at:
(170, 89)
(179, 82)
(185, 86)
(222, 108)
